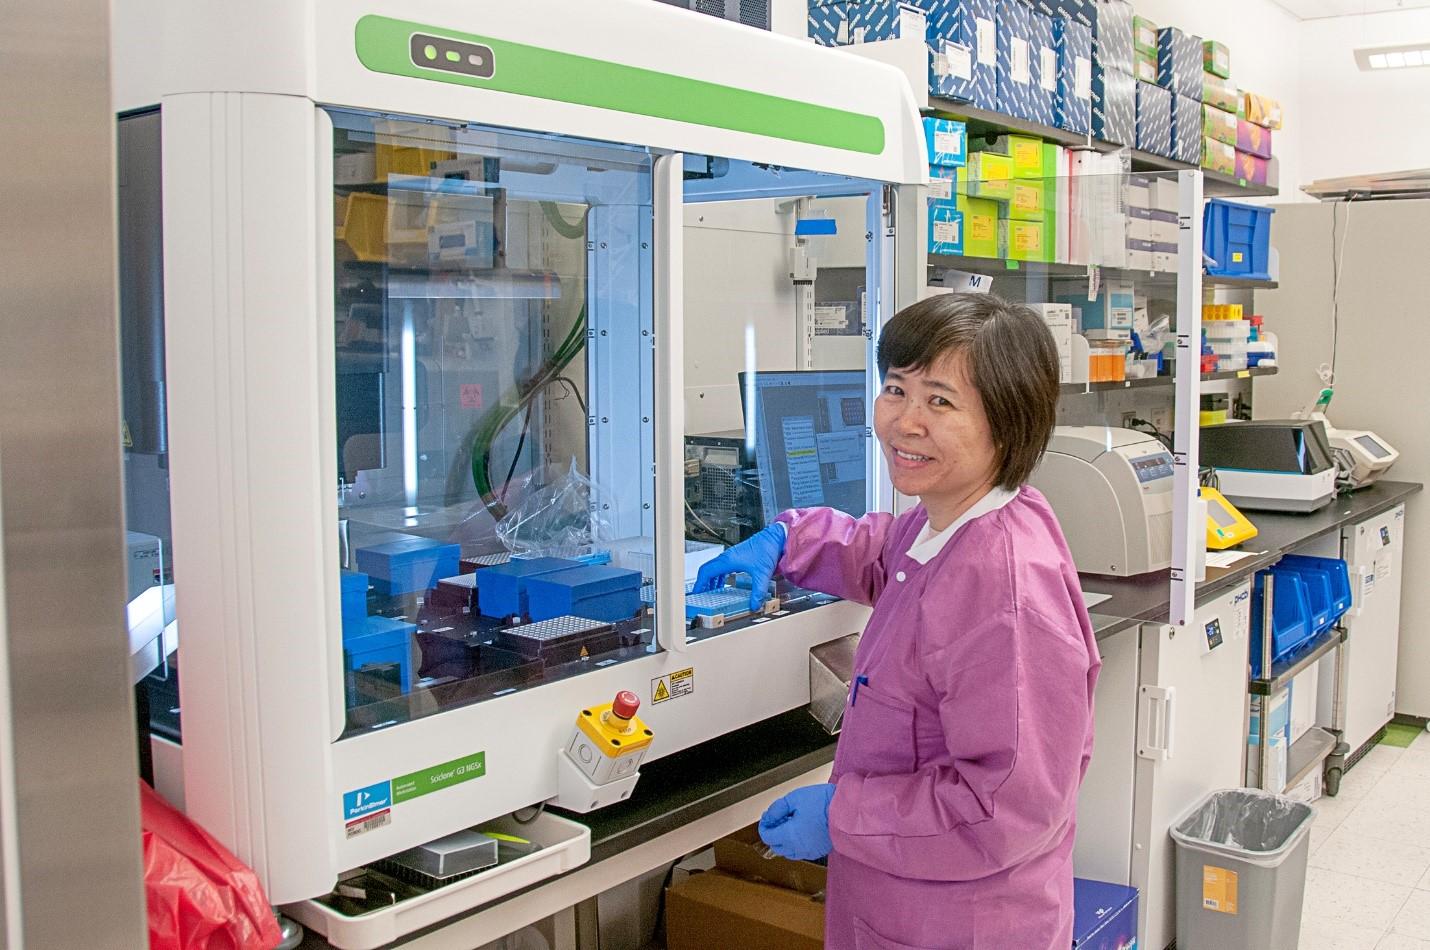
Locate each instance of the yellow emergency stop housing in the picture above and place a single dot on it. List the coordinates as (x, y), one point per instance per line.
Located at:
(605, 747)
(1226, 526)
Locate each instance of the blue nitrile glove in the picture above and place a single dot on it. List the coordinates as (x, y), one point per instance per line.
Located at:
(758, 556)
(797, 826)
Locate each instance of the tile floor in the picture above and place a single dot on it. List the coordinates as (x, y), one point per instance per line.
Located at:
(1368, 884)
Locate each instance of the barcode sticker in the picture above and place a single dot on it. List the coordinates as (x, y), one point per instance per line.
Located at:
(1021, 69)
(945, 232)
(1082, 78)
(987, 42)
(1048, 69)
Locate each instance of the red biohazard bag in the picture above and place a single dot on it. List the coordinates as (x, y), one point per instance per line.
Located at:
(200, 897)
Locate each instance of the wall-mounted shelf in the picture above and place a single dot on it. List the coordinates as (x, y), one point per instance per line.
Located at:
(997, 266)
(985, 122)
(1074, 389)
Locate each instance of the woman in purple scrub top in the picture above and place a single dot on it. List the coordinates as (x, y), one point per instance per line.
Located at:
(948, 820)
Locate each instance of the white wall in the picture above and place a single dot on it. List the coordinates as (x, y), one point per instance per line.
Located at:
(1358, 121)
(1265, 58)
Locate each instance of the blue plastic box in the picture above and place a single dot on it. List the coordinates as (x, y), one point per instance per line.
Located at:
(354, 600)
(409, 564)
(1073, 107)
(1291, 623)
(598, 593)
(501, 590)
(1104, 916)
(1237, 238)
(380, 640)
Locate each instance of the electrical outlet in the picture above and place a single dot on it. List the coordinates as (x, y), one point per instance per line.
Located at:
(1127, 419)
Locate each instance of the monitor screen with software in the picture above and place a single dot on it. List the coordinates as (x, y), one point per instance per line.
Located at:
(811, 438)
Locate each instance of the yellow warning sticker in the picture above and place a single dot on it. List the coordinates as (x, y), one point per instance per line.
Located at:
(1218, 889)
(672, 686)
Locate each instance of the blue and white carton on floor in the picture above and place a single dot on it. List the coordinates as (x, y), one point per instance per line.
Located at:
(1104, 916)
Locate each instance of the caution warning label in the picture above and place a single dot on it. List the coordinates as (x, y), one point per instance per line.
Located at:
(673, 686)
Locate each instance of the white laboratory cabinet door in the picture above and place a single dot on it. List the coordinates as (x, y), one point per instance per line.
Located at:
(1373, 551)
(1190, 734)
(1103, 850)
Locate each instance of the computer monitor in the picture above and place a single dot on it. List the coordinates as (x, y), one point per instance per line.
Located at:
(810, 433)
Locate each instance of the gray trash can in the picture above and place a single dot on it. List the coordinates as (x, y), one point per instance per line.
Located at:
(1241, 871)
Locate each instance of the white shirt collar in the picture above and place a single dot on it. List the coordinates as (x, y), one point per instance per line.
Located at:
(927, 545)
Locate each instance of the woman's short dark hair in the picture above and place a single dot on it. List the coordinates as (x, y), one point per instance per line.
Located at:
(1011, 360)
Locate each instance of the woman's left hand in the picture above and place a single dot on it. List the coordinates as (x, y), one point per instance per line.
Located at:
(797, 825)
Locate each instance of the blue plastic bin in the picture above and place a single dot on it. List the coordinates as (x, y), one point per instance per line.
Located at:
(1318, 594)
(1337, 577)
(408, 565)
(380, 640)
(1290, 617)
(501, 590)
(1237, 237)
(599, 593)
(354, 600)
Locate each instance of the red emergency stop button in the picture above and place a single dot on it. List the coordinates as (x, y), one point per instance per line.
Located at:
(625, 705)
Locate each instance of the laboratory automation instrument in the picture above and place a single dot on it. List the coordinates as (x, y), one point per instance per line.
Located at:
(1271, 465)
(424, 292)
(1226, 526)
(1112, 492)
(1361, 455)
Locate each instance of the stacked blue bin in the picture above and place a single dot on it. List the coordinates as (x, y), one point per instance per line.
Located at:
(1237, 238)
(597, 593)
(502, 590)
(1311, 594)
(373, 641)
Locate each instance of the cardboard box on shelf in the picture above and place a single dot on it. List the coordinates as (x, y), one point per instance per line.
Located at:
(1022, 240)
(1114, 105)
(1219, 124)
(1044, 94)
(1112, 43)
(1179, 62)
(1139, 254)
(946, 141)
(963, 36)
(1164, 257)
(1082, 11)
(1016, 77)
(1026, 203)
(1110, 311)
(1057, 195)
(1025, 152)
(945, 227)
(980, 226)
(1154, 119)
(1187, 130)
(1145, 68)
(1139, 192)
(990, 176)
(1253, 169)
(871, 21)
(1218, 157)
(828, 23)
(1144, 36)
(743, 854)
(1216, 59)
(943, 182)
(716, 910)
(1166, 194)
(1222, 93)
(1261, 110)
(1073, 108)
(1252, 138)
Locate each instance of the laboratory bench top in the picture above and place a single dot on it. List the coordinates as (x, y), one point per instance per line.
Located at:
(1143, 598)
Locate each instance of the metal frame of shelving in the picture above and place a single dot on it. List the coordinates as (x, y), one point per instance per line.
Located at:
(1321, 744)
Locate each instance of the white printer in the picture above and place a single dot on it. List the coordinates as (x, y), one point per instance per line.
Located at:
(1112, 492)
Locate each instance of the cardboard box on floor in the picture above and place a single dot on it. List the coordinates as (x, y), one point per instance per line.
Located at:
(748, 901)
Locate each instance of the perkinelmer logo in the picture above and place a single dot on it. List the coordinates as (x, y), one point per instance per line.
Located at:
(453, 56)
(365, 801)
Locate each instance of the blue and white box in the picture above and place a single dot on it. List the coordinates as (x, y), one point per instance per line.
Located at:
(1114, 105)
(874, 20)
(829, 22)
(945, 228)
(943, 182)
(1179, 62)
(963, 38)
(1187, 130)
(1044, 95)
(947, 142)
(1112, 46)
(1015, 60)
(1073, 109)
(1079, 11)
(1154, 118)
(1112, 310)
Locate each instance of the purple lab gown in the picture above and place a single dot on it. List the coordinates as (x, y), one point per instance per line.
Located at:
(959, 761)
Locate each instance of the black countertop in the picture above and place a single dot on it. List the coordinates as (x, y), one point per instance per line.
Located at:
(1144, 598)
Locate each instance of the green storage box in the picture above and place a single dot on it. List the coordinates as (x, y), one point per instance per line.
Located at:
(1220, 92)
(1023, 240)
(990, 175)
(1144, 36)
(1216, 58)
(980, 226)
(1219, 124)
